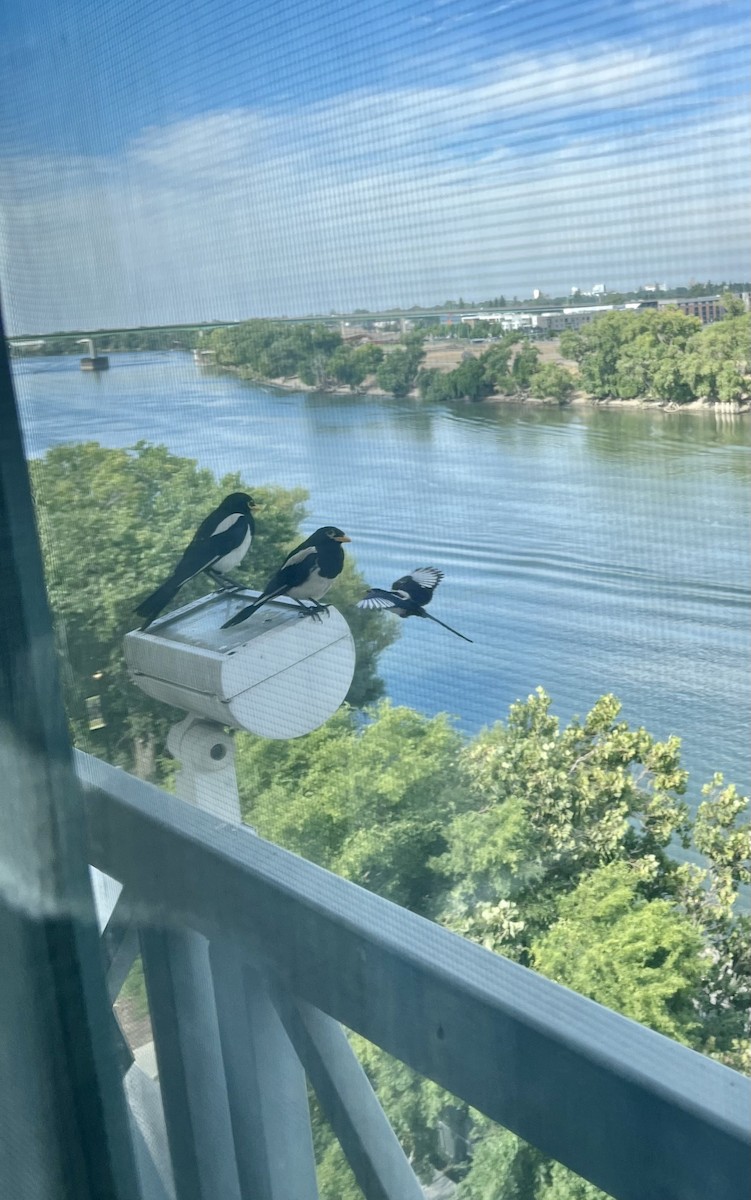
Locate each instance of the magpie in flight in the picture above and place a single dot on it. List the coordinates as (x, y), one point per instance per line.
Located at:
(306, 574)
(219, 544)
(408, 596)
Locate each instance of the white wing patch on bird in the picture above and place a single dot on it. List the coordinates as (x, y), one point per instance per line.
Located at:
(427, 577)
(377, 602)
(300, 556)
(226, 523)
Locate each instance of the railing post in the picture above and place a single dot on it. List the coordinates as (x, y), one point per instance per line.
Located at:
(191, 1073)
(181, 995)
(266, 1085)
(265, 1090)
(352, 1108)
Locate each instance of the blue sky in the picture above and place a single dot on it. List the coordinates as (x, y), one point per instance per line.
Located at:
(165, 162)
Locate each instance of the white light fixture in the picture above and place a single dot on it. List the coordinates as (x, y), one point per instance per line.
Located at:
(279, 674)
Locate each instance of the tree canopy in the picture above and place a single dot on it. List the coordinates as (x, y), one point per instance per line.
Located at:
(662, 354)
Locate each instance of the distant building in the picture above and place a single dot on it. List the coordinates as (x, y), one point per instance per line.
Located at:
(555, 320)
(559, 319)
(536, 294)
(706, 308)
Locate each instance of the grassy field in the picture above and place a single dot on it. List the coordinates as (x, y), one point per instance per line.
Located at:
(447, 355)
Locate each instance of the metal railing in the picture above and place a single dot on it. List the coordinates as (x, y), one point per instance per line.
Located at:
(252, 957)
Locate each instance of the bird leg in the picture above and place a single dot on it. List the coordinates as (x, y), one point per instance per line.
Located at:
(309, 612)
(226, 584)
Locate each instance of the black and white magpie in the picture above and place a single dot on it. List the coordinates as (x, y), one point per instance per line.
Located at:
(219, 544)
(306, 574)
(408, 596)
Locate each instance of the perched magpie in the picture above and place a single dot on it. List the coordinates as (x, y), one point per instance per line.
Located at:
(219, 544)
(409, 595)
(306, 574)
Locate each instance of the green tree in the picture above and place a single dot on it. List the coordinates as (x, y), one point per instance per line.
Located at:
(662, 354)
(733, 305)
(344, 369)
(368, 801)
(551, 805)
(722, 835)
(273, 349)
(554, 381)
(414, 1106)
(468, 381)
(369, 358)
(525, 364)
(496, 362)
(546, 843)
(723, 350)
(352, 366)
(397, 373)
(639, 956)
(503, 1167)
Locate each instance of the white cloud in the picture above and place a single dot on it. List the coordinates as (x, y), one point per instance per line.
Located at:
(403, 196)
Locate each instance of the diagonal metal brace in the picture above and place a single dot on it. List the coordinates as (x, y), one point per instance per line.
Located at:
(346, 1096)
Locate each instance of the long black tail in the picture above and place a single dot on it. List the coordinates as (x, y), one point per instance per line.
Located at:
(243, 614)
(445, 626)
(151, 607)
(249, 609)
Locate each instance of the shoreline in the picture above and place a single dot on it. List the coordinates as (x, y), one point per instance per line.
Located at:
(578, 400)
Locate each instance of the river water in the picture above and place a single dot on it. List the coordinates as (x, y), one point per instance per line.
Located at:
(584, 550)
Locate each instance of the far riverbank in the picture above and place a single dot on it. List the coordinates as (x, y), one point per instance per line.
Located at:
(444, 356)
(577, 400)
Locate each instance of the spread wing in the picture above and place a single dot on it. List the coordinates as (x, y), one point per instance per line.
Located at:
(427, 577)
(379, 598)
(420, 584)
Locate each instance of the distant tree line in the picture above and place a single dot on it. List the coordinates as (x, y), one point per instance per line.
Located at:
(709, 288)
(314, 354)
(662, 354)
(320, 358)
(652, 354)
(510, 367)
